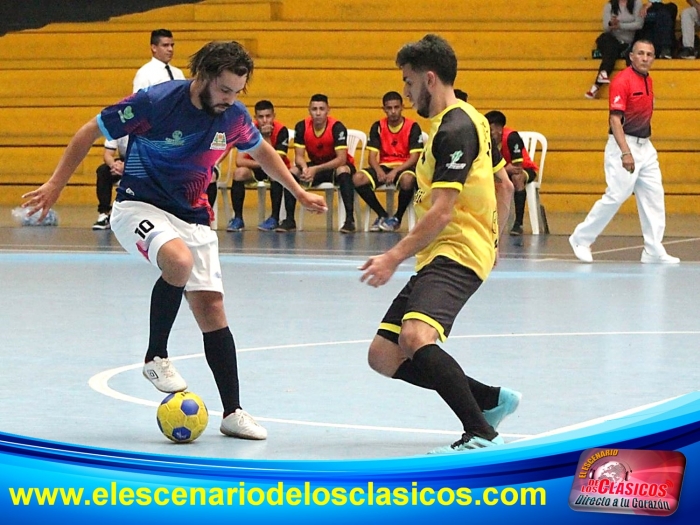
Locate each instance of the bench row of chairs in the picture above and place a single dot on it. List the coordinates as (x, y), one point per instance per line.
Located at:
(535, 144)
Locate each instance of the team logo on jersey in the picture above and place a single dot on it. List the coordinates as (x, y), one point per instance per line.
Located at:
(176, 140)
(516, 149)
(341, 135)
(125, 115)
(454, 164)
(219, 142)
(616, 99)
(418, 196)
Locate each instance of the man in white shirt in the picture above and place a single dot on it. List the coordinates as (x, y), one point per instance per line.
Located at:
(158, 70)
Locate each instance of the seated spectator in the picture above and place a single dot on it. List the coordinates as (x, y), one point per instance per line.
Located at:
(248, 169)
(108, 174)
(659, 27)
(621, 20)
(690, 19)
(520, 168)
(394, 145)
(325, 141)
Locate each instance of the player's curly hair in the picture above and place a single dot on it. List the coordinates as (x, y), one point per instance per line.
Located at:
(430, 53)
(217, 57)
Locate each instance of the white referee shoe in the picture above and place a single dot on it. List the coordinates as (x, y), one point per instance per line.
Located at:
(164, 376)
(241, 424)
(659, 259)
(582, 253)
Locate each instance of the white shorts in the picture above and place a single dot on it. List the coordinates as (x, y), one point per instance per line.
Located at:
(142, 229)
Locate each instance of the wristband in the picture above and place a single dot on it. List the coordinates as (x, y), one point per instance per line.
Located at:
(625, 154)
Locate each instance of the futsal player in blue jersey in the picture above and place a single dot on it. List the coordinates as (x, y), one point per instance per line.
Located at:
(177, 131)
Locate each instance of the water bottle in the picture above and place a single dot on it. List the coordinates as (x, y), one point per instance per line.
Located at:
(22, 217)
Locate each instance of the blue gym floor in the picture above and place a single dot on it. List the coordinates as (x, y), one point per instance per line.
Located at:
(580, 341)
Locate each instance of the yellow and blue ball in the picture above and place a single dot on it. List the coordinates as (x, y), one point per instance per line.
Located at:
(182, 417)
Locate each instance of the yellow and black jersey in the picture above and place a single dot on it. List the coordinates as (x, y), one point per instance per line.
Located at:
(458, 156)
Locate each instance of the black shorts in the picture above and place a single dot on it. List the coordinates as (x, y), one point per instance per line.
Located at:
(435, 295)
(325, 175)
(374, 180)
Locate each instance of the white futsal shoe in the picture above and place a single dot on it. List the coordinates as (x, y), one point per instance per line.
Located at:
(582, 253)
(164, 376)
(659, 259)
(241, 424)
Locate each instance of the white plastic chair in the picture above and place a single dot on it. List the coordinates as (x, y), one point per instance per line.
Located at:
(356, 138)
(390, 190)
(536, 146)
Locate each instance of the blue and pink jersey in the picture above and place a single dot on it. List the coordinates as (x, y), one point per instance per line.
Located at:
(173, 147)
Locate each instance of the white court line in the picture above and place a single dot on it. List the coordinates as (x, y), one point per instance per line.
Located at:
(99, 382)
(598, 420)
(613, 250)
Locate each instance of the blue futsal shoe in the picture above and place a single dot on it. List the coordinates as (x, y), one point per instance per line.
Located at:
(235, 225)
(468, 443)
(508, 401)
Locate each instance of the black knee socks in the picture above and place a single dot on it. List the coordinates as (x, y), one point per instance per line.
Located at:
(405, 197)
(237, 197)
(367, 193)
(438, 368)
(165, 303)
(519, 197)
(220, 352)
(486, 396)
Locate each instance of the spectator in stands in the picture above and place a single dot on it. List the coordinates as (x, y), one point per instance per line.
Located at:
(690, 19)
(621, 20)
(659, 27)
(158, 69)
(325, 141)
(520, 168)
(248, 169)
(394, 145)
(109, 173)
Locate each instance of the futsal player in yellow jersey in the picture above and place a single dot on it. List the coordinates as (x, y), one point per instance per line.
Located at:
(454, 243)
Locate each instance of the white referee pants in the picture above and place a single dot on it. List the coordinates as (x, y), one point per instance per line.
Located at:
(645, 183)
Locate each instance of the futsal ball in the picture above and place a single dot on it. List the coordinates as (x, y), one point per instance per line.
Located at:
(182, 417)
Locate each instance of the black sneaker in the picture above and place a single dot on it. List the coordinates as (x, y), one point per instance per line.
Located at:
(348, 227)
(688, 53)
(102, 222)
(286, 226)
(517, 229)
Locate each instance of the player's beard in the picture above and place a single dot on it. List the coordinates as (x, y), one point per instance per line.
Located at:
(422, 104)
(206, 100)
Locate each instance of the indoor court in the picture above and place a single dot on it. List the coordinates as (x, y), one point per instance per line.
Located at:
(580, 341)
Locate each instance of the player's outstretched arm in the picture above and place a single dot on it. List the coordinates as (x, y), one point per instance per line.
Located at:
(41, 199)
(272, 164)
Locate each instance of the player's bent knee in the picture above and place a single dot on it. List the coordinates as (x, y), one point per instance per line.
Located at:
(175, 262)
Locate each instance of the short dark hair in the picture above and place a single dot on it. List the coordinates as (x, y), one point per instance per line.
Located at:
(392, 95)
(496, 117)
(643, 41)
(461, 95)
(430, 53)
(319, 97)
(216, 57)
(264, 105)
(157, 34)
